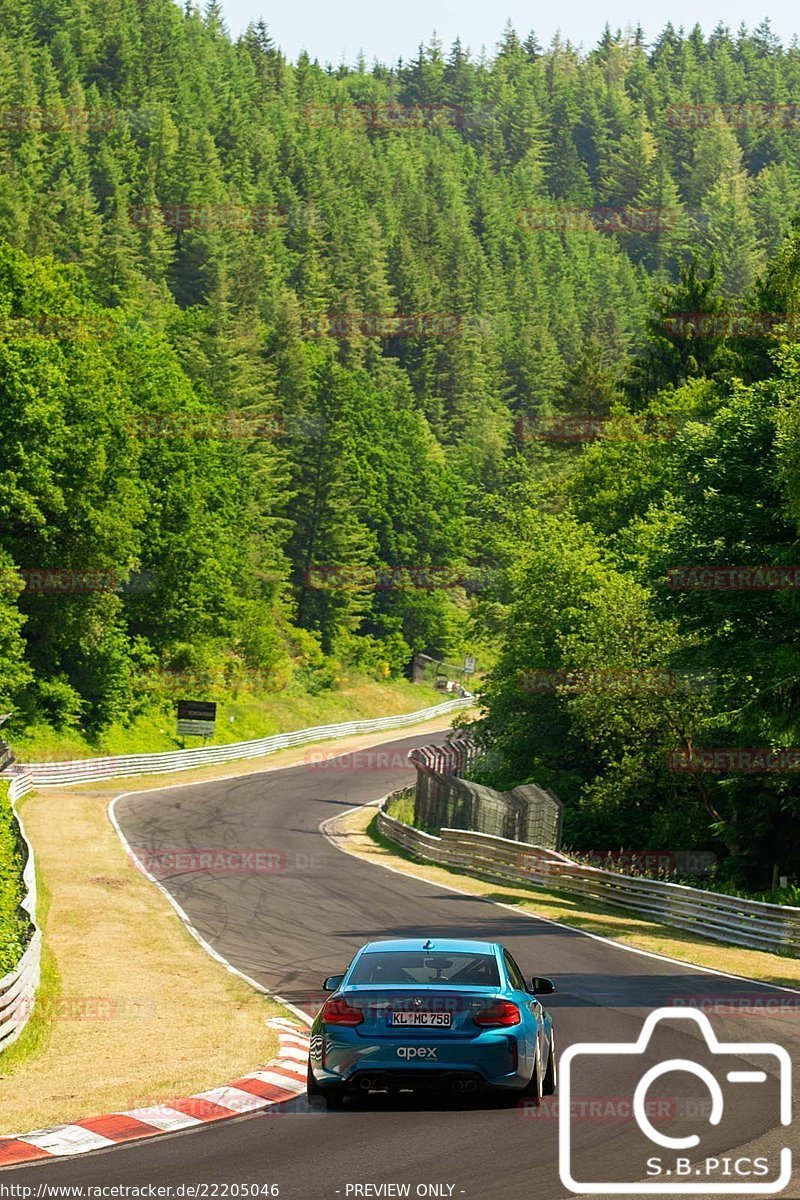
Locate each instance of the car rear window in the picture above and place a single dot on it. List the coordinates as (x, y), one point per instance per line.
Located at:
(435, 967)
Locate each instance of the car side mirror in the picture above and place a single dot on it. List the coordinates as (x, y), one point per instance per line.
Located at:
(541, 986)
(333, 983)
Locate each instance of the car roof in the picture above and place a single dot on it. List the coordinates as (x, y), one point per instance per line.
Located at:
(448, 945)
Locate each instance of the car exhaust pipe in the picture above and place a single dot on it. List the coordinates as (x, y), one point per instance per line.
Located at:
(373, 1083)
(470, 1086)
(457, 1085)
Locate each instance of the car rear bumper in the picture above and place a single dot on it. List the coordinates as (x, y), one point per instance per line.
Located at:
(464, 1082)
(491, 1058)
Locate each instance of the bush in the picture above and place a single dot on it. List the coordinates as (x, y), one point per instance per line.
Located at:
(57, 701)
(15, 927)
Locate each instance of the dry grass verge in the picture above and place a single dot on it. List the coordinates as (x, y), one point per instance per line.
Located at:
(132, 1010)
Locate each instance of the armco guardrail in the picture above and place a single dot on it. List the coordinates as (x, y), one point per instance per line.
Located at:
(89, 769)
(749, 923)
(18, 988)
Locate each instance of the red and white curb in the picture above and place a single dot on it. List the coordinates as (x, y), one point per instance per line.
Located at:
(283, 1079)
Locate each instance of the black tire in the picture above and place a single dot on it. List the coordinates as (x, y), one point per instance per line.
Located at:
(332, 1098)
(534, 1090)
(550, 1081)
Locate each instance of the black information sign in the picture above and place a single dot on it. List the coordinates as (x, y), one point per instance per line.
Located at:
(196, 718)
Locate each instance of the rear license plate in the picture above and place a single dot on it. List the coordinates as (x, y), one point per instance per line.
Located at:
(440, 1019)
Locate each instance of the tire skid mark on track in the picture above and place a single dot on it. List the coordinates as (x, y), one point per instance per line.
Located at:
(333, 912)
(298, 1012)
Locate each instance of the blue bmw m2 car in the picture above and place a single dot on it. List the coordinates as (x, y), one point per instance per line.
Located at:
(453, 1014)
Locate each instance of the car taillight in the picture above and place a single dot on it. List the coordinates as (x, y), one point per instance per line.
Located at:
(339, 1012)
(501, 1012)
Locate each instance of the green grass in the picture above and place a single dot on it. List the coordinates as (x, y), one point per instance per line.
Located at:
(241, 716)
(402, 809)
(15, 927)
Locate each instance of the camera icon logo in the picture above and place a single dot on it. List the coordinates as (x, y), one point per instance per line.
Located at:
(674, 1170)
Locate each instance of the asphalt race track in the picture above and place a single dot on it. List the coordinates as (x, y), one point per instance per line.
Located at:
(288, 928)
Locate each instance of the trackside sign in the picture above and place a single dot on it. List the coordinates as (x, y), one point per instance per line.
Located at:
(196, 718)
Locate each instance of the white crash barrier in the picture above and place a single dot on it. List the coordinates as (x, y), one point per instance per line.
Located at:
(85, 770)
(750, 923)
(18, 988)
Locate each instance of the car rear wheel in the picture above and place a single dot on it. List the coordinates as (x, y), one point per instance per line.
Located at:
(331, 1097)
(550, 1082)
